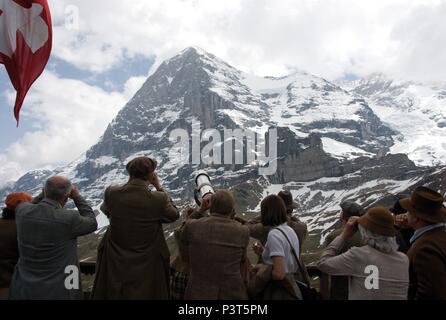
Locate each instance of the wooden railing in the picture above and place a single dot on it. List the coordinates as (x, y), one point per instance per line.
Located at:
(322, 279)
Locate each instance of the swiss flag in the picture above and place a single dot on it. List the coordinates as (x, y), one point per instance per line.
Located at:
(25, 43)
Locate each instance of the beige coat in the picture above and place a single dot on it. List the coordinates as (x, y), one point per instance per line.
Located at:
(133, 257)
(339, 284)
(393, 271)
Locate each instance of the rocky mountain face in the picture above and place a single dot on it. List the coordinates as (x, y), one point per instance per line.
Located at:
(333, 143)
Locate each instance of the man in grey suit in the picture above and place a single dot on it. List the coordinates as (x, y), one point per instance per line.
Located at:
(48, 266)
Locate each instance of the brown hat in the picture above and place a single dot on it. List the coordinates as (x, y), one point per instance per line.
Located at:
(425, 204)
(379, 220)
(14, 199)
(141, 167)
(287, 197)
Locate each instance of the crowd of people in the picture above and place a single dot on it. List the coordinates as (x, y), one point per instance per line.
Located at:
(393, 253)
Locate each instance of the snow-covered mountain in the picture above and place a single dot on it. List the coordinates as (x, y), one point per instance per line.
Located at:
(416, 110)
(333, 143)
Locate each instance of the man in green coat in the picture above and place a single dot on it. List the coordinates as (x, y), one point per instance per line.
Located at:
(133, 257)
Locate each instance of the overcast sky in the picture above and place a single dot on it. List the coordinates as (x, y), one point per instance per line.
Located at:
(102, 58)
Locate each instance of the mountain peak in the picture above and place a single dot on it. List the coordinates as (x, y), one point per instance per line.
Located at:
(198, 55)
(377, 76)
(192, 54)
(193, 50)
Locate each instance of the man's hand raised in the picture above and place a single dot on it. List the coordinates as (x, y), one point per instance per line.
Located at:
(205, 203)
(74, 193)
(154, 181)
(350, 228)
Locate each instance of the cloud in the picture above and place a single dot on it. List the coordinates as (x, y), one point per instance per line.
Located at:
(68, 115)
(329, 38)
(421, 37)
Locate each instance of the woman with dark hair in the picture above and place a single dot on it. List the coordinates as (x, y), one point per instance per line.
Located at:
(9, 251)
(281, 251)
(282, 240)
(273, 211)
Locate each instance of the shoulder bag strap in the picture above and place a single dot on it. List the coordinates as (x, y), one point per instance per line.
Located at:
(299, 264)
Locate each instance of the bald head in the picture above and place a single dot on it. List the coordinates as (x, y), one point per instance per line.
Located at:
(57, 188)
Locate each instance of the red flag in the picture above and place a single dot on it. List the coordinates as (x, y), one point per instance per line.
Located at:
(25, 43)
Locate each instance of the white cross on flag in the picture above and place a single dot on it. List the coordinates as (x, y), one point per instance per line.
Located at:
(25, 43)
